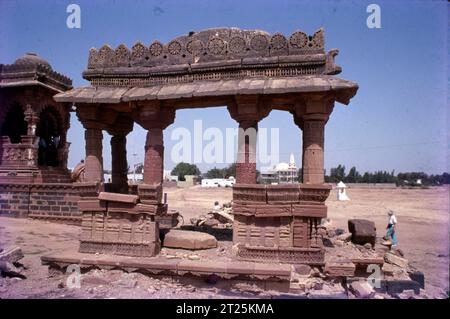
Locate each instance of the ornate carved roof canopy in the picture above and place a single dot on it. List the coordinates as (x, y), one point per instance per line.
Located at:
(31, 69)
(213, 62)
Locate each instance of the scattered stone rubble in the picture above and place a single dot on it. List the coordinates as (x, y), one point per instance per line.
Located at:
(344, 274)
(9, 262)
(217, 218)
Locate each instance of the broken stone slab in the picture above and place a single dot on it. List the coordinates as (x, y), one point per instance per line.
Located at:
(223, 216)
(336, 268)
(363, 231)
(189, 240)
(396, 260)
(11, 255)
(362, 289)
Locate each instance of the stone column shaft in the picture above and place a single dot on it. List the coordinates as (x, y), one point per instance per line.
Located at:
(154, 157)
(313, 151)
(246, 155)
(119, 165)
(94, 158)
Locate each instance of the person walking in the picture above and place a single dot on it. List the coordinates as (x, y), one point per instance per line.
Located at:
(391, 236)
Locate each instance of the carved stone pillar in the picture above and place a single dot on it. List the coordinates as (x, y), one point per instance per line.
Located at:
(119, 165)
(313, 126)
(154, 157)
(246, 155)
(155, 118)
(247, 110)
(94, 158)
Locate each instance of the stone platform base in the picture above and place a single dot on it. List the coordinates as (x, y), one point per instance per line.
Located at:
(267, 276)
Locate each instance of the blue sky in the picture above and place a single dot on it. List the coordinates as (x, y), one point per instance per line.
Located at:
(398, 119)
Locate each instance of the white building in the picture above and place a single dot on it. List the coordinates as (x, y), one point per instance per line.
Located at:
(218, 182)
(282, 173)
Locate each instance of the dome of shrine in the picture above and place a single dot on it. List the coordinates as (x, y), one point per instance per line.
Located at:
(282, 167)
(32, 59)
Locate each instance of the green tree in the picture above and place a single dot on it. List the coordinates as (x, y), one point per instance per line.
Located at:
(183, 169)
(337, 174)
(215, 173)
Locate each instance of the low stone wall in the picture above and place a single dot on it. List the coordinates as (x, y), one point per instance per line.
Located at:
(50, 201)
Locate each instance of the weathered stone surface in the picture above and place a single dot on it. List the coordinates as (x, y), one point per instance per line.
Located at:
(396, 260)
(362, 289)
(337, 268)
(363, 231)
(121, 198)
(302, 270)
(345, 237)
(189, 240)
(11, 255)
(388, 268)
(418, 276)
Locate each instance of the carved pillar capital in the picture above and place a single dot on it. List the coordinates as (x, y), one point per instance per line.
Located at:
(248, 109)
(154, 115)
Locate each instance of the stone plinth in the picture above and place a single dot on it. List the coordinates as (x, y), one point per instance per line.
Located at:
(118, 225)
(278, 223)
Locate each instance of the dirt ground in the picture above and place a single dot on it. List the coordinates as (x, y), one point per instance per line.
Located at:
(422, 214)
(423, 231)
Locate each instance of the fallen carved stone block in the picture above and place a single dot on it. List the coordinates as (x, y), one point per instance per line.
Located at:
(363, 231)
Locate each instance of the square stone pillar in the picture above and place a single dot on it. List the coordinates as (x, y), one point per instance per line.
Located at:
(154, 118)
(94, 158)
(313, 127)
(154, 157)
(313, 152)
(246, 155)
(247, 110)
(119, 165)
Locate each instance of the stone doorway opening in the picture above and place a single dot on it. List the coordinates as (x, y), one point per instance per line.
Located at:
(48, 132)
(14, 125)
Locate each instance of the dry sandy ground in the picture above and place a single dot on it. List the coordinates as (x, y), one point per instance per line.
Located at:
(423, 232)
(422, 214)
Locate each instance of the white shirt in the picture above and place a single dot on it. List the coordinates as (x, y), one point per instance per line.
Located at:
(392, 220)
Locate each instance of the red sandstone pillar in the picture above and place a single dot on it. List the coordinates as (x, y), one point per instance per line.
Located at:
(119, 165)
(246, 156)
(154, 157)
(94, 160)
(313, 126)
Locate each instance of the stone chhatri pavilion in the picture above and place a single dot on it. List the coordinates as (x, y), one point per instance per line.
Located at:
(34, 180)
(252, 73)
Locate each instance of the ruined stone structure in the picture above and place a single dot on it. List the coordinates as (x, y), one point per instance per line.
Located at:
(34, 180)
(252, 73)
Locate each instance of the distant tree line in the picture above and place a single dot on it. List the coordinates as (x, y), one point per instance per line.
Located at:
(338, 174)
